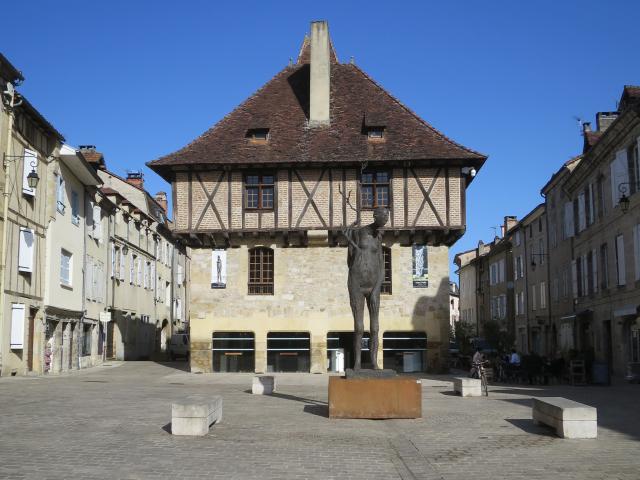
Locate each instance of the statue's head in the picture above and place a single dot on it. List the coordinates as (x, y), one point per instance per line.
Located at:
(380, 216)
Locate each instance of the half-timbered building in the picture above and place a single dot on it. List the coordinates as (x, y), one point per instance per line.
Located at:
(262, 199)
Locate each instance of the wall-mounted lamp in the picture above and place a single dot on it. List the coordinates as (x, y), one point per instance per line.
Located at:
(624, 188)
(471, 171)
(125, 250)
(32, 176)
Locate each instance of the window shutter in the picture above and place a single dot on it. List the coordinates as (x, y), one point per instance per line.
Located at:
(139, 272)
(582, 219)
(568, 220)
(534, 299)
(153, 277)
(122, 266)
(574, 278)
(25, 250)
(113, 260)
(622, 273)
(179, 309)
(515, 267)
(180, 275)
(594, 269)
(501, 275)
(592, 205)
(97, 222)
(585, 275)
(17, 326)
(636, 250)
(29, 157)
(619, 174)
(88, 278)
(132, 268)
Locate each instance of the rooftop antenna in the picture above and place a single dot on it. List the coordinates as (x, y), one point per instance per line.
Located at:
(579, 120)
(495, 230)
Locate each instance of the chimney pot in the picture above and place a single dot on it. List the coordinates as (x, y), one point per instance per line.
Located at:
(161, 198)
(586, 127)
(320, 75)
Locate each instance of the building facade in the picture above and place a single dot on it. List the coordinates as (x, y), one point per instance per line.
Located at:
(577, 296)
(262, 200)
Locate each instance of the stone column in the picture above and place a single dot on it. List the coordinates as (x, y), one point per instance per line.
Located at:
(66, 347)
(201, 357)
(318, 345)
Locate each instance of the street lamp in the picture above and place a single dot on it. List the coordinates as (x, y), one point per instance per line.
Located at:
(533, 260)
(624, 188)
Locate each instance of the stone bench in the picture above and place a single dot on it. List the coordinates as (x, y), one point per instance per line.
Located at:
(195, 417)
(263, 385)
(570, 419)
(467, 387)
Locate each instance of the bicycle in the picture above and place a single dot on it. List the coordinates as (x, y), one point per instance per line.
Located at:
(478, 368)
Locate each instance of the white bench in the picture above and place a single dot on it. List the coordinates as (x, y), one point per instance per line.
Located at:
(570, 419)
(195, 417)
(263, 385)
(467, 387)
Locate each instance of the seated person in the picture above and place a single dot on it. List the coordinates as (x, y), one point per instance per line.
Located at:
(514, 358)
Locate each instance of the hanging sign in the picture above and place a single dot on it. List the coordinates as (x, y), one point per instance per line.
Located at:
(219, 269)
(420, 267)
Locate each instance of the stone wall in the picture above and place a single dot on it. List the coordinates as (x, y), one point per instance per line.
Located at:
(310, 295)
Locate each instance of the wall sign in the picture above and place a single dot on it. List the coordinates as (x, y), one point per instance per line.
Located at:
(420, 267)
(219, 269)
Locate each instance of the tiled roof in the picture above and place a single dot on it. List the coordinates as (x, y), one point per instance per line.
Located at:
(282, 106)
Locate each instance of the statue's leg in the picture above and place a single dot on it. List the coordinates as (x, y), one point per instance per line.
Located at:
(373, 302)
(357, 308)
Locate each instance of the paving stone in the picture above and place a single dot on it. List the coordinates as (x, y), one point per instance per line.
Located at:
(113, 423)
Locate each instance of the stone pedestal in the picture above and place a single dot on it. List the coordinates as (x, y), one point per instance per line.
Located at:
(263, 385)
(375, 398)
(467, 387)
(195, 417)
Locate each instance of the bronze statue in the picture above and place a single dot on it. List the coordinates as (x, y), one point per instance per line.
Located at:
(366, 274)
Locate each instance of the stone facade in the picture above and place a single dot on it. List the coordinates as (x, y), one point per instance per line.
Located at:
(310, 295)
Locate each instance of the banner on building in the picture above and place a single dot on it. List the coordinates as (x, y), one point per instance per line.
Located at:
(219, 269)
(420, 267)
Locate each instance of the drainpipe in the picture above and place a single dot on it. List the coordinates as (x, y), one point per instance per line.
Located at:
(5, 214)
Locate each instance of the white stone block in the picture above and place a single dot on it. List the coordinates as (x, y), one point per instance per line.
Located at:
(570, 419)
(263, 385)
(467, 387)
(195, 417)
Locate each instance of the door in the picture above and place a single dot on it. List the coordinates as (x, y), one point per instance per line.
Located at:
(110, 332)
(32, 342)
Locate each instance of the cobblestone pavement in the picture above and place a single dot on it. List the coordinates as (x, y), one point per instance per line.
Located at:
(113, 422)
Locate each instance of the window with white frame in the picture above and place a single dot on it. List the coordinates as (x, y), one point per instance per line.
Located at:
(66, 266)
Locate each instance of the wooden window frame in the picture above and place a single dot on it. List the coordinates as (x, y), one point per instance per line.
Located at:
(374, 185)
(386, 288)
(260, 185)
(261, 279)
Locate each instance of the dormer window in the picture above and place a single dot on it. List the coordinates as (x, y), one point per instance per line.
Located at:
(258, 134)
(375, 133)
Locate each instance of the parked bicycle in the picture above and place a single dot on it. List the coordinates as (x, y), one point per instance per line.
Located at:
(478, 371)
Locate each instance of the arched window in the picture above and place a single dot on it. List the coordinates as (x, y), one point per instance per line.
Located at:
(260, 271)
(386, 283)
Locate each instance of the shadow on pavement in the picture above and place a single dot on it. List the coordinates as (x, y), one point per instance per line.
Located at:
(167, 427)
(182, 366)
(527, 425)
(319, 410)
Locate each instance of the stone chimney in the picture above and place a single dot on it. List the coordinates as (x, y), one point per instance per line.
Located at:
(92, 156)
(136, 179)
(319, 75)
(605, 119)
(161, 198)
(510, 221)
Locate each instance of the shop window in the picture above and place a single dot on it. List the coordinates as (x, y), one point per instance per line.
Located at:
(288, 352)
(404, 351)
(233, 352)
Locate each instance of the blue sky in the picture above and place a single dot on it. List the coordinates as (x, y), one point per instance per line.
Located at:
(141, 79)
